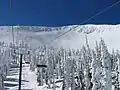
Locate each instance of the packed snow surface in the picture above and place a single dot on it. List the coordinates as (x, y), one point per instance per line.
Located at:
(29, 81)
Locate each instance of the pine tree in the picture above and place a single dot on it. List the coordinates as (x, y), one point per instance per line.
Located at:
(107, 66)
(118, 72)
(97, 68)
(73, 71)
(114, 67)
(88, 60)
(87, 79)
(80, 71)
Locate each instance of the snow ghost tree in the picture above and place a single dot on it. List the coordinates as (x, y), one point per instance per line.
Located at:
(106, 66)
(97, 68)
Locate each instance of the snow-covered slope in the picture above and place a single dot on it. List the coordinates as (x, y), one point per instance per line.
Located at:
(76, 37)
(36, 36)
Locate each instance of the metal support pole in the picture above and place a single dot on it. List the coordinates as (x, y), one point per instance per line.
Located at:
(20, 73)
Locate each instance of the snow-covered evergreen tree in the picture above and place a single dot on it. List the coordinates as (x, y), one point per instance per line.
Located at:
(106, 66)
(114, 67)
(97, 68)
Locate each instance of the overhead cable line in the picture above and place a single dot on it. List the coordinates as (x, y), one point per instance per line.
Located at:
(109, 7)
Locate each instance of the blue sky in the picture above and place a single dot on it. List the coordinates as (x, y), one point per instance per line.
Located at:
(58, 12)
